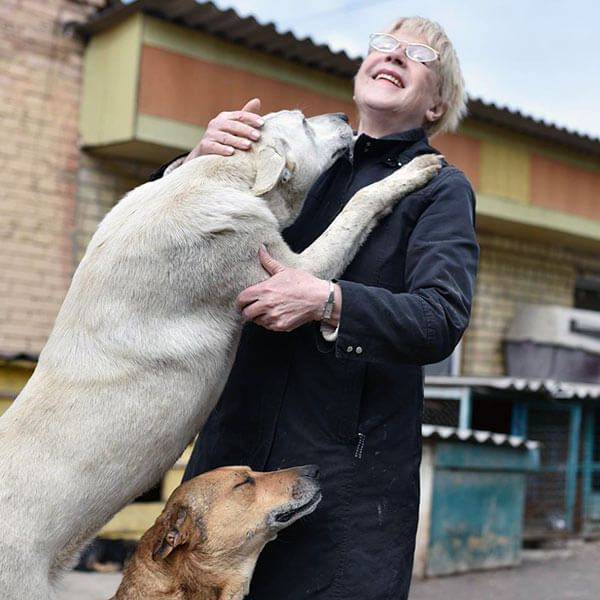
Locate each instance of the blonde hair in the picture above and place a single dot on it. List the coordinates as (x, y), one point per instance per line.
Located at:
(451, 82)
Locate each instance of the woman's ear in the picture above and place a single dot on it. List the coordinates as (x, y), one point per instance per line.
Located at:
(436, 111)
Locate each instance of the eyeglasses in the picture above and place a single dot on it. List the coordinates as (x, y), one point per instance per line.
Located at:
(385, 42)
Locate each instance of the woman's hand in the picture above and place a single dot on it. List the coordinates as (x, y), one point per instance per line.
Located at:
(230, 130)
(288, 299)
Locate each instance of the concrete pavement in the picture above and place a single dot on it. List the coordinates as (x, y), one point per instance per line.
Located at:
(90, 586)
(572, 574)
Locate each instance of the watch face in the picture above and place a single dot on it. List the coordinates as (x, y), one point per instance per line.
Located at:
(328, 308)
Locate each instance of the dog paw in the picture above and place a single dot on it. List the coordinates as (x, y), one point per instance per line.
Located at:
(381, 197)
(420, 170)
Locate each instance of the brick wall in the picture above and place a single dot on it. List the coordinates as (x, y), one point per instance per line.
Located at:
(512, 273)
(43, 174)
(100, 183)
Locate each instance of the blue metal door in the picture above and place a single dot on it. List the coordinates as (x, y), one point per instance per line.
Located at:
(591, 470)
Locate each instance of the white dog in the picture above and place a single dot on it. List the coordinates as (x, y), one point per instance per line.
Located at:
(146, 336)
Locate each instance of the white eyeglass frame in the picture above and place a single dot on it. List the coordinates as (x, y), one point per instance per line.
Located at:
(407, 45)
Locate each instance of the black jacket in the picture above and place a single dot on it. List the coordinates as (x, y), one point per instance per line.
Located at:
(354, 406)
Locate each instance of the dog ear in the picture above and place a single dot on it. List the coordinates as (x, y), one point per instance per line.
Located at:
(172, 534)
(269, 167)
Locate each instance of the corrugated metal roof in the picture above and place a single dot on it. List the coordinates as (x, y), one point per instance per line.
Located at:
(228, 25)
(516, 120)
(248, 32)
(480, 437)
(558, 390)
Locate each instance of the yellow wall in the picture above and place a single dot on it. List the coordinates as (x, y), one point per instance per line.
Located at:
(13, 376)
(110, 79)
(505, 170)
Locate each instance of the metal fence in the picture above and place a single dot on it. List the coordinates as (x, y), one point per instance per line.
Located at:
(547, 507)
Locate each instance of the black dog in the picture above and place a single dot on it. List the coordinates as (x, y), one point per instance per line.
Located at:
(104, 554)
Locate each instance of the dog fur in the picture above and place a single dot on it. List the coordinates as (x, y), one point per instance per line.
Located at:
(205, 544)
(147, 333)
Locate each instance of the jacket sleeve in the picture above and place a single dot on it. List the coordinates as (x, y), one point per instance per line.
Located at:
(165, 168)
(423, 324)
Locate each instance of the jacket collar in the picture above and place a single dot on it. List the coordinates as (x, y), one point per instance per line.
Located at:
(394, 149)
(401, 137)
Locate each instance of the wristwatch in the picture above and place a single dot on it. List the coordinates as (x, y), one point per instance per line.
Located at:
(328, 308)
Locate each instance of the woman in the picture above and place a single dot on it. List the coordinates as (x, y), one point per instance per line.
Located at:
(343, 386)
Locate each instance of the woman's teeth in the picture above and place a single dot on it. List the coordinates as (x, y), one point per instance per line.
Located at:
(391, 78)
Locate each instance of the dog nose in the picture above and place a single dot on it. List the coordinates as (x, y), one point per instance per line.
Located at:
(342, 116)
(311, 471)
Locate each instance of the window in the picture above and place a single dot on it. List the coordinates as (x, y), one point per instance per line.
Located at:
(587, 292)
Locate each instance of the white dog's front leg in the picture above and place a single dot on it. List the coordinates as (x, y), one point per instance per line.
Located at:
(332, 251)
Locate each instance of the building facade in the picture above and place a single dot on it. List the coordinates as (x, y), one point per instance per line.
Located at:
(96, 94)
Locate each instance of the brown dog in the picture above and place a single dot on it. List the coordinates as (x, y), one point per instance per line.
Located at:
(205, 543)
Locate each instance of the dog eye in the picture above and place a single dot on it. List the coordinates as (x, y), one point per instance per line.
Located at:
(248, 479)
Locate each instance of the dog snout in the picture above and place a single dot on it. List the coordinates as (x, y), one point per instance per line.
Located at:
(311, 471)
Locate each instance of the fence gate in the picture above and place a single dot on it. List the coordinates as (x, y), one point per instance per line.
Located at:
(551, 491)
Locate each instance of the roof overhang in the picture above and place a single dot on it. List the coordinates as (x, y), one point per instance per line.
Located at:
(151, 84)
(227, 25)
(548, 388)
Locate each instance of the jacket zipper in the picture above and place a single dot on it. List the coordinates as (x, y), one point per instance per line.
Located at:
(359, 446)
